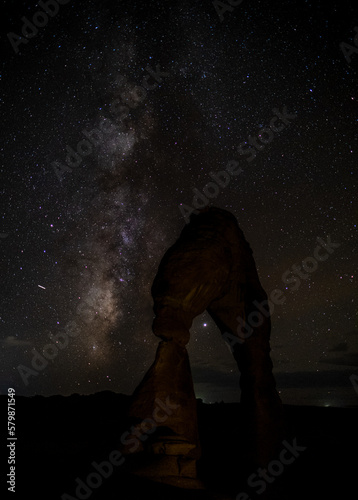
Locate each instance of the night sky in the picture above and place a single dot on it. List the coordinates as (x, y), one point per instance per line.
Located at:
(156, 96)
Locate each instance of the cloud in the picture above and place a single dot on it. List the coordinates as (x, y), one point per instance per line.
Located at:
(348, 359)
(300, 380)
(319, 379)
(218, 378)
(12, 341)
(342, 346)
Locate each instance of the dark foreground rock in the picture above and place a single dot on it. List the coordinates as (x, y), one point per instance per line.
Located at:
(65, 444)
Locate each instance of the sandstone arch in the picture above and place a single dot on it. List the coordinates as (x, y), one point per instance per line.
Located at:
(210, 267)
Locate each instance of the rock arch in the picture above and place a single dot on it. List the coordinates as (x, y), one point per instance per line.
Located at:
(210, 267)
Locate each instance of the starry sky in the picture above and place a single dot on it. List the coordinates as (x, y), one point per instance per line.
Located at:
(114, 116)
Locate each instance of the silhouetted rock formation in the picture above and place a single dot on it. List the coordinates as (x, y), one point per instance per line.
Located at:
(210, 267)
